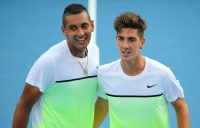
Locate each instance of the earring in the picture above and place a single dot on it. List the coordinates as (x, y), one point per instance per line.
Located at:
(140, 47)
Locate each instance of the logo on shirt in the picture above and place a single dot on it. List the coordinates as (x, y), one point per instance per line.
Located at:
(150, 86)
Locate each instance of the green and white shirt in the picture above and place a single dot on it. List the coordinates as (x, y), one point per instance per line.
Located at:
(139, 101)
(68, 96)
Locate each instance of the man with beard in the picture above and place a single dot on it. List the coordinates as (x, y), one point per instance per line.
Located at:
(61, 86)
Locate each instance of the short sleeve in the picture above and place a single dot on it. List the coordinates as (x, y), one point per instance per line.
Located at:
(42, 73)
(100, 89)
(172, 88)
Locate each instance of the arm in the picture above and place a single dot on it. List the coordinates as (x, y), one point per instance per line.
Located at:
(101, 110)
(182, 113)
(28, 98)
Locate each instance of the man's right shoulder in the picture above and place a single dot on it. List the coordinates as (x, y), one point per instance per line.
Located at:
(55, 50)
(57, 47)
(108, 67)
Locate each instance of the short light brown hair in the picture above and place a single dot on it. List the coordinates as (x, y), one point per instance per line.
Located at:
(130, 20)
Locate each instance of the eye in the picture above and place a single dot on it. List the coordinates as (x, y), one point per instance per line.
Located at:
(85, 26)
(132, 40)
(119, 38)
(72, 28)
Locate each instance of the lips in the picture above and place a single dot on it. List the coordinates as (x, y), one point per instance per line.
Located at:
(81, 40)
(126, 52)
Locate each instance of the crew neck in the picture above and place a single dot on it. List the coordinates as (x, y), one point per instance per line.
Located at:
(135, 76)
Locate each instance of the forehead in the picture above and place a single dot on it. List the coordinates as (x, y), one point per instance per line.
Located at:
(128, 32)
(77, 19)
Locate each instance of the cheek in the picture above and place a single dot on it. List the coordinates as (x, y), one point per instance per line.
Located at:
(119, 45)
(89, 35)
(136, 48)
(70, 38)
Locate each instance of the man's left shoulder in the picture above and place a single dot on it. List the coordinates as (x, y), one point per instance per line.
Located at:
(158, 65)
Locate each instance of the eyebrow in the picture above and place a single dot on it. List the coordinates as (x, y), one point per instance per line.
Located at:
(132, 38)
(120, 37)
(84, 23)
(128, 37)
(72, 25)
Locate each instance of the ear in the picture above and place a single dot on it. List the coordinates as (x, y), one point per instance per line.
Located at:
(63, 29)
(142, 43)
(92, 24)
(116, 37)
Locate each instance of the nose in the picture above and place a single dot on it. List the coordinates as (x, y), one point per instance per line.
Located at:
(125, 45)
(80, 32)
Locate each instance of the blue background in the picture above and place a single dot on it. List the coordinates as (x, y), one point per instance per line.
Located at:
(29, 28)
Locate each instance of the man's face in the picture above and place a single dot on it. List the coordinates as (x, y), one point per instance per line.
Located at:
(78, 30)
(129, 43)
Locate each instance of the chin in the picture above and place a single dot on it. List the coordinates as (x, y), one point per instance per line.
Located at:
(82, 47)
(125, 58)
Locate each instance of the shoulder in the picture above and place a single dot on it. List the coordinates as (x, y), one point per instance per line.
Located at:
(158, 67)
(54, 51)
(57, 48)
(47, 58)
(111, 67)
(92, 47)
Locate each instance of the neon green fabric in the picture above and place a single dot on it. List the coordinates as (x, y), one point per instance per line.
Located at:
(138, 112)
(69, 104)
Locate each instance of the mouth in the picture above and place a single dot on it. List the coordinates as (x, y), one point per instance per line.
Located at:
(81, 40)
(125, 53)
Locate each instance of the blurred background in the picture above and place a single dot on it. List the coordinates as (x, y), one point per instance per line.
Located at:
(28, 28)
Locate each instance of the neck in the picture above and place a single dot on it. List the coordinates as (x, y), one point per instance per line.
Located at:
(80, 53)
(133, 67)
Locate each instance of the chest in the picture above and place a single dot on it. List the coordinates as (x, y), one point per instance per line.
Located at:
(145, 85)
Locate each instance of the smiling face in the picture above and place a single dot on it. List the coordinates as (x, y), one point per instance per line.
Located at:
(78, 30)
(129, 43)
